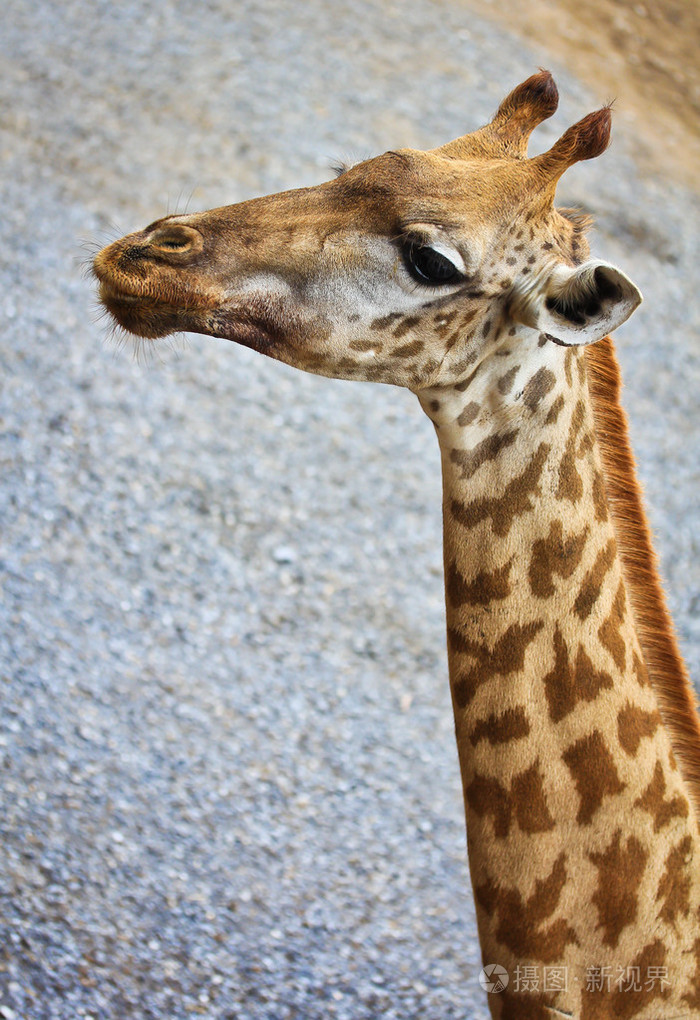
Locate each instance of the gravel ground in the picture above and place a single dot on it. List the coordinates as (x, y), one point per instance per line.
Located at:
(229, 782)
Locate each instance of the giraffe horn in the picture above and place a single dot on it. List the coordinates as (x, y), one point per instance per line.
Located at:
(516, 118)
(586, 139)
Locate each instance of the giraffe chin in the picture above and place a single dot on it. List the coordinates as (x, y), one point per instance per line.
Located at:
(140, 316)
(153, 320)
(246, 330)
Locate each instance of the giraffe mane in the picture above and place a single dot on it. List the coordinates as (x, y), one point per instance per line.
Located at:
(667, 671)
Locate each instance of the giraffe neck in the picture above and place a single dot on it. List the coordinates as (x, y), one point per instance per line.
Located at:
(580, 831)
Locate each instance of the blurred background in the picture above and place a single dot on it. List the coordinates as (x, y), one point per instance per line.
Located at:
(229, 786)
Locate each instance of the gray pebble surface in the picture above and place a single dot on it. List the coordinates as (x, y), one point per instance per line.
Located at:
(229, 785)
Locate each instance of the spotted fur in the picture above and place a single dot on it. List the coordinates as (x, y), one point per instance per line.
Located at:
(577, 733)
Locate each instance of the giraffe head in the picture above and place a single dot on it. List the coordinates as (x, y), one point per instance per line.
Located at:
(405, 269)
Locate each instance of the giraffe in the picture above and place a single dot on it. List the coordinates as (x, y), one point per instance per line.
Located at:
(452, 273)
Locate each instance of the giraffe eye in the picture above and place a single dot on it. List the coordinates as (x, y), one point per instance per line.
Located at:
(429, 266)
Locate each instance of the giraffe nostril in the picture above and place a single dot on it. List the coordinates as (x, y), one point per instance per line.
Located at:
(175, 238)
(134, 252)
(175, 243)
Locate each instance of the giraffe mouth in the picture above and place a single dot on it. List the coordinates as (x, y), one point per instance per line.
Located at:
(141, 315)
(145, 316)
(113, 295)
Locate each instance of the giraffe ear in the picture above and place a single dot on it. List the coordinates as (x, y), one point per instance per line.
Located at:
(578, 306)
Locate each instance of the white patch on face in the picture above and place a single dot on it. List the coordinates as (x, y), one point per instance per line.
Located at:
(368, 280)
(267, 284)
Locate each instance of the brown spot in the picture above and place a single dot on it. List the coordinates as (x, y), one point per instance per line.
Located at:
(488, 799)
(674, 886)
(620, 871)
(364, 345)
(463, 364)
(516, 499)
(568, 362)
(593, 581)
(693, 997)
(594, 774)
(488, 449)
(525, 801)
(640, 670)
(386, 320)
(486, 586)
(570, 486)
(427, 368)
(652, 800)
(501, 729)
(633, 724)
(570, 683)
(609, 632)
(486, 328)
(527, 793)
(405, 325)
(538, 387)
(452, 339)
(554, 555)
(469, 413)
(443, 320)
(505, 383)
(434, 406)
(555, 410)
(585, 445)
(600, 501)
(521, 923)
(624, 1002)
(409, 350)
(464, 384)
(507, 656)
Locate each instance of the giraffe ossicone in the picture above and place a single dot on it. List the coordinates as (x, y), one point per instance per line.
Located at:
(452, 272)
